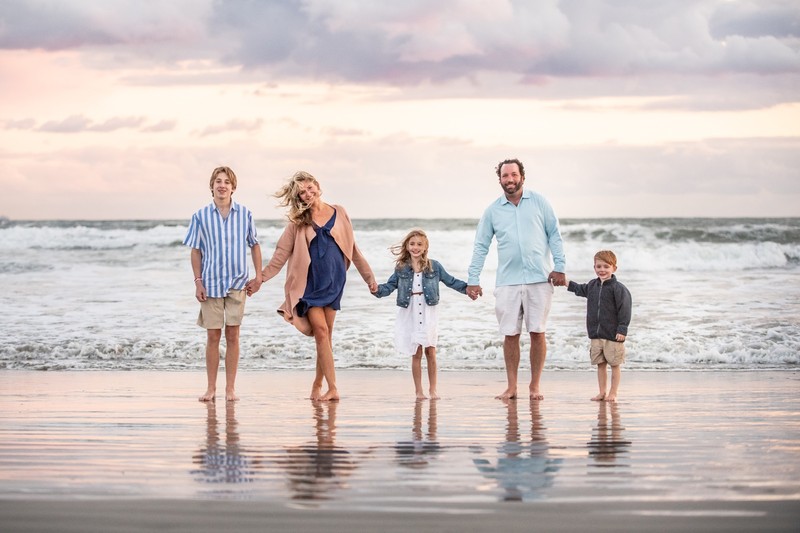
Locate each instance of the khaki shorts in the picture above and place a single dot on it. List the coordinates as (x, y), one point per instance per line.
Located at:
(515, 302)
(606, 351)
(215, 313)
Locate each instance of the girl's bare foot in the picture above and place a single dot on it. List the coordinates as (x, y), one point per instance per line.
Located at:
(230, 396)
(421, 395)
(434, 395)
(331, 396)
(316, 393)
(599, 398)
(536, 395)
(611, 398)
(209, 396)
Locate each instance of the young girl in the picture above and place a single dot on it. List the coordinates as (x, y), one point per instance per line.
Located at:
(416, 279)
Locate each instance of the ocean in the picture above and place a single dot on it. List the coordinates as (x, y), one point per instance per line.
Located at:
(709, 294)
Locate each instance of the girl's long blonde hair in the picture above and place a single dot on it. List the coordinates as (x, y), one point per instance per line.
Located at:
(289, 196)
(404, 258)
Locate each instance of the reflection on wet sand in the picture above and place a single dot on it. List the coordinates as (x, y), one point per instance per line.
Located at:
(522, 470)
(317, 469)
(608, 446)
(223, 462)
(418, 452)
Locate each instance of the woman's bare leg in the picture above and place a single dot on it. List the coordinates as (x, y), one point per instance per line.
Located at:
(322, 319)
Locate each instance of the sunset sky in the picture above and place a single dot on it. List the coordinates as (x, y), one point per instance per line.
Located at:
(120, 109)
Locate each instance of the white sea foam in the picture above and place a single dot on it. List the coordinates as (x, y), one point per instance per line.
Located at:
(707, 294)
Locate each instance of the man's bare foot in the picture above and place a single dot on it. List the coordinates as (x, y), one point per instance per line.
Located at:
(421, 396)
(316, 394)
(612, 398)
(230, 396)
(508, 394)
(434, 395)
(599, 398)
(536, 395)
(331, 396)
(209, 396)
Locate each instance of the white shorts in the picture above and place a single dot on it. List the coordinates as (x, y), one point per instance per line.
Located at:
(531, 301)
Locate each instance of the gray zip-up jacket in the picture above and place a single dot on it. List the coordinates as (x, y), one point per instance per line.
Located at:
(608, 309)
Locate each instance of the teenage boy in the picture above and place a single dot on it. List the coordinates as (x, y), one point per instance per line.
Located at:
(219, 235)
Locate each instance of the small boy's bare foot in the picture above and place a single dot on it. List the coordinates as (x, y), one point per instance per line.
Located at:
(434, 395)
(209, 396)
(536, 395)
(612, 398)
(599, 398)
(230, 396)
(421, 396)
(508, 394)
(331, 396)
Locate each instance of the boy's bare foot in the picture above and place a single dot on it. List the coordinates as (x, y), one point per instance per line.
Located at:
(209, 396)
(230, 396)
(599, 398)
(434, 395)
(508, 394)
(421, 396)
(331, 396)
(611, 398)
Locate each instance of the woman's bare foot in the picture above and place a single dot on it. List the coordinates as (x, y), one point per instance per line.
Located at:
(536, 395)
(421, 395)
(599, 398)
(331, 396)
(209, 396)
(230, 396)
(316, 393)
(611, 398)
(508, 394)
(434, 394)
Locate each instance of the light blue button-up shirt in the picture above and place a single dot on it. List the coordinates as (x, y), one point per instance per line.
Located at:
(527, 235)
(223, 244)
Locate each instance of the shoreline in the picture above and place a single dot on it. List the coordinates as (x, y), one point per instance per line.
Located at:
(680, 451)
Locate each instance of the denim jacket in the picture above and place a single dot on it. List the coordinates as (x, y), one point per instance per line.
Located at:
(402, 279)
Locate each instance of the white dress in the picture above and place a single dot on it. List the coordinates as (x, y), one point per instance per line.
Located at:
(417, 324)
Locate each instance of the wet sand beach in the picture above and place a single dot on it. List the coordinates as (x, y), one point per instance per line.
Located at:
(135, 451)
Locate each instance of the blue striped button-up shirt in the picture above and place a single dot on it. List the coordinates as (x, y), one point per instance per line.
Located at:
(527, 234)
(223, 244)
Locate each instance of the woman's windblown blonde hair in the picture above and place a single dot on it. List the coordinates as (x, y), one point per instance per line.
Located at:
(289, 196)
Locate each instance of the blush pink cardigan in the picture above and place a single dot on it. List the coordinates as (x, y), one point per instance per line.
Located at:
(292, 250)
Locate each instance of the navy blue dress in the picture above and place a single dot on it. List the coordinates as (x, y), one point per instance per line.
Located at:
(326, 274)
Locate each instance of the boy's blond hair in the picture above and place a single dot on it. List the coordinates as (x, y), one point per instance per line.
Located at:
(606, 256)
(222, 170)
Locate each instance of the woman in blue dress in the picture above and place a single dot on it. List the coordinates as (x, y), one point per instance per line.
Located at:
(317, 246)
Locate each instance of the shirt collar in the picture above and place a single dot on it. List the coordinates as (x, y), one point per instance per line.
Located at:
(525, 194)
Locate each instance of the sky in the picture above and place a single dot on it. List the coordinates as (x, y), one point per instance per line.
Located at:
(120, 109)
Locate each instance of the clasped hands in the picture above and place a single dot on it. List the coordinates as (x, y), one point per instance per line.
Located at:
(558, 279)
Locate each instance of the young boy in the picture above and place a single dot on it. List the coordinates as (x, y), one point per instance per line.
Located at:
(608, 313)
(219, 235)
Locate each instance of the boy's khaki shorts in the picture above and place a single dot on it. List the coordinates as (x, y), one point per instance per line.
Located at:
(215, 313)
(606, 351)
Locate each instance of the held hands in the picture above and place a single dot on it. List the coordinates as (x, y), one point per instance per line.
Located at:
(558, 279)
(474, 291)
(252, 286)
(373, 287)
